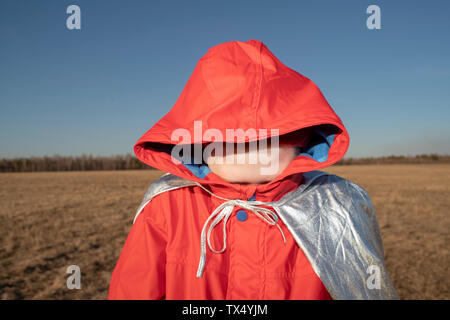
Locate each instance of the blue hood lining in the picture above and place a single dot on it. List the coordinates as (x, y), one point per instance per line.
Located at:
(320, 143)
(322, 138)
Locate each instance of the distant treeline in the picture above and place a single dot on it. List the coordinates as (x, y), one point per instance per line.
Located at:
(79, 163)
(422, 158)
(130, 162)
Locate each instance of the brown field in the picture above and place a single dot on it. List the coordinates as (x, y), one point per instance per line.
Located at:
(50, 220)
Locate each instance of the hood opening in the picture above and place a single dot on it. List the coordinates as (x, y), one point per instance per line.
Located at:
(316, 146)
(320, 142)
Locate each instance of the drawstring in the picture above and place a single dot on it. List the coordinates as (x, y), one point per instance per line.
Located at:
(223, 212)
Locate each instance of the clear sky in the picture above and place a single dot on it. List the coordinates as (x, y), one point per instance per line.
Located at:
(98, 89)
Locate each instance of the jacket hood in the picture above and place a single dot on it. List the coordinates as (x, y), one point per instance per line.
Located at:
(242, 85)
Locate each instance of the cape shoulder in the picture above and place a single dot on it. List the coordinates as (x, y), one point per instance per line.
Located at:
(333, 221)
(165, 183)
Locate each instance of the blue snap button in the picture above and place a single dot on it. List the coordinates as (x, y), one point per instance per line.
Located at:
(241, 215)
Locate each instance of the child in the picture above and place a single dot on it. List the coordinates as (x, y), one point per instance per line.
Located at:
(285, 229)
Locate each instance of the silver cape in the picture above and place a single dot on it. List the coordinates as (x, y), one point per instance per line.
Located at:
(333, 221)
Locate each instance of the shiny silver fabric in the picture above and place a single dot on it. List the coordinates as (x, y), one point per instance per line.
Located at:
(333, 221)
(166, 182)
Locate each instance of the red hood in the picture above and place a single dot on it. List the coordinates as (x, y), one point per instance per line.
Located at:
(243, 85)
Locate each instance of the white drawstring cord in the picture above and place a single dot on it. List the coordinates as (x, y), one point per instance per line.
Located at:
(223, 212)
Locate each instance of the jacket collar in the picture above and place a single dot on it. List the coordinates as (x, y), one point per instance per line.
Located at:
(270, 191)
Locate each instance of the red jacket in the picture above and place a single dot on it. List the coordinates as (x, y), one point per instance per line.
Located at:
(234, 85)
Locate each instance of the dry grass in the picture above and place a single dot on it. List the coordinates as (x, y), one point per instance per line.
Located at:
(50, 220)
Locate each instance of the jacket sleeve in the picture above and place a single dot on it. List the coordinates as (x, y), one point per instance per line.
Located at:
(140, 270)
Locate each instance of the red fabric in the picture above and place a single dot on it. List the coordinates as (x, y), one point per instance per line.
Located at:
(234, 85)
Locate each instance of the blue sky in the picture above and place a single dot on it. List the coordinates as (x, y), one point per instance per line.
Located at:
(98, 89)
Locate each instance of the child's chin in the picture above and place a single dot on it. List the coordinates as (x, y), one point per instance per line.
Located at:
(252, 181)
(246, 176)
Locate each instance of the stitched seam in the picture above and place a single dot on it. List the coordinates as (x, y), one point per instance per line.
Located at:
(232, 240)
(194, 265)
(263, 286)
(258, 88)
(288, 276)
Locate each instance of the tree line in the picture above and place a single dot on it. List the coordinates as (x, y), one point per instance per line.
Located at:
(71, 163)
(421, 158)
(130, 162)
